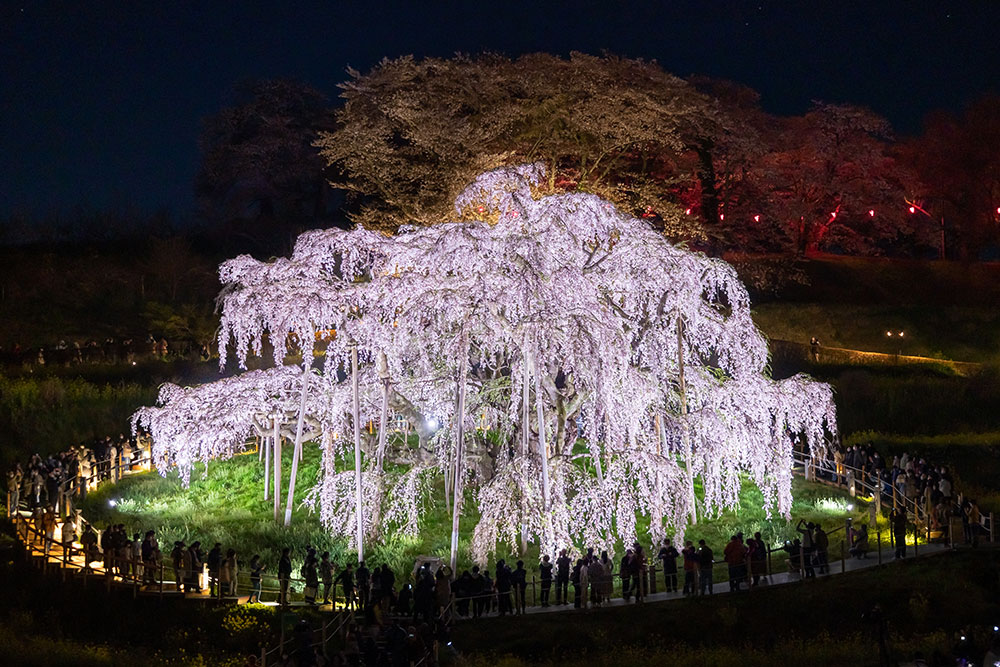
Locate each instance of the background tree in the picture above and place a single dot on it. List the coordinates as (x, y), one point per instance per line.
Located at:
(832, 180)
(259, 167)
(958, 157)
(413, 132)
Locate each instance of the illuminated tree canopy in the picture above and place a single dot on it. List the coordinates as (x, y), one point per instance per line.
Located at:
(600, 370)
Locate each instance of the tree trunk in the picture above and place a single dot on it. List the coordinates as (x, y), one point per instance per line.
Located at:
(277, 468)
(383, 424)
(560, 438)
(543, 452)
(709, 192)
(358, 508)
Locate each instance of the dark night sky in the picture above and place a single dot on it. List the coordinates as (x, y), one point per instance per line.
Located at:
(100, 103)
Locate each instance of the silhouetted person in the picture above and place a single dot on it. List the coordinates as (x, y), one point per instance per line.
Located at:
(705, 562)
(284, 576)
(668, 555)
(545, 575)
(563, 564)
(346, 581)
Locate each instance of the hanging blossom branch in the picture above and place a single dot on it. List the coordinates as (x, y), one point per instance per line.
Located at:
(638, 363)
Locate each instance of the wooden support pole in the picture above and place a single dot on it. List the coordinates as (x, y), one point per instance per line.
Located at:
(525, 425)
(297, 451)
(459, 460)
(358, 507)
(267, 466)
(383, 420)
(277, 467)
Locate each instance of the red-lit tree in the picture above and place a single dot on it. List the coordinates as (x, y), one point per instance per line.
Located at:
(832, 181)
(958, 157)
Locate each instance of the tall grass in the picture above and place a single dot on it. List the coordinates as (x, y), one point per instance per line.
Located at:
(918, 402)
(48, 414)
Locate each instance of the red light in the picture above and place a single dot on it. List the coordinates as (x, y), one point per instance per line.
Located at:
(687, 212)
(833, 215)
(998, 210)
(756, 218)
(722, 216)
(871, 213)
(913, 209)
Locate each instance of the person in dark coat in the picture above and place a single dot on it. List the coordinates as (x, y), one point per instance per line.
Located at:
(256, 567)
(504, 583)
(477, 585)
(284, 575)
(214, 562)
(705, 563)
(545, 575)
(519, 581)
(897, 520)
(311, 577)
(346, 581)
(668, 555)
(563, 565)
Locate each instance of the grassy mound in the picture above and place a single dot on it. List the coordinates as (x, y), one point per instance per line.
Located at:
(224, 503)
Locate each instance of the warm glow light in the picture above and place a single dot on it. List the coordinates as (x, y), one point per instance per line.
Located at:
(900, 334)
(888, 333)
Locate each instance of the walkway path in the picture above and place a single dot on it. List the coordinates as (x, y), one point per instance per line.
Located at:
(776, 579)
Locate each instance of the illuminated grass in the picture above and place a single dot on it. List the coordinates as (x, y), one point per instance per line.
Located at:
(227, 506)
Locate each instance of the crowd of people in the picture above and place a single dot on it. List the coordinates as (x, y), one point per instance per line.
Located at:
(111, 350)
(53, 482)
(910, 482)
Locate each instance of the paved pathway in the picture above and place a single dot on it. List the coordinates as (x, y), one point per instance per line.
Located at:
(776, 579)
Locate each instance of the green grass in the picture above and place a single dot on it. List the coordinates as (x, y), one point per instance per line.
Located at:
(227, 506)
(47, 413)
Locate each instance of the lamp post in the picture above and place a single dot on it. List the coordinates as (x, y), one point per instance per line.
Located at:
(899, 335)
